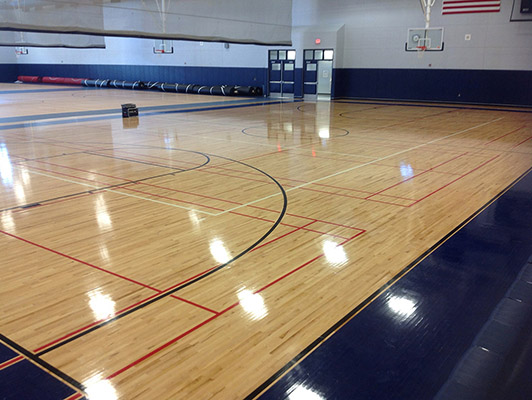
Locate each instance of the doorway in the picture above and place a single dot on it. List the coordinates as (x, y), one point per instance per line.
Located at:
(281, 73)
(317, 73)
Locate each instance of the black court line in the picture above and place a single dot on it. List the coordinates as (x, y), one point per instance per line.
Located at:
(134, 161)
(129, 182)
(43, 364)
(458, 106)
(24, 159)
(191, 282)
(310, 135)
(352, 314)
(301, 109)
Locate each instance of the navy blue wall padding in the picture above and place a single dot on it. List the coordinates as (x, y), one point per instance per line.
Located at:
(199, 75)
(298, 83)
(462, 86)
(8, 72)
(453, 85)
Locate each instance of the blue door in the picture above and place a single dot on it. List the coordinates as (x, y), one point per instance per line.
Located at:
(281, 72)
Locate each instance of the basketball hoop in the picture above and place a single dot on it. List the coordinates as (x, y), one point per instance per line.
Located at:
(163, 47)
(20, 51)
(421, 51)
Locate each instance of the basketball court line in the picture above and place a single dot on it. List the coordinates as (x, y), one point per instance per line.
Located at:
(380, 291)
(49, 368)
(415, 201)
(331, 193)
(98, 188)
(170, 291)
(393, 102)
(176, 339)
(368, 163)
(73, 196)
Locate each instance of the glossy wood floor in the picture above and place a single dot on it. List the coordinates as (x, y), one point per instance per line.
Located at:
(194, 255)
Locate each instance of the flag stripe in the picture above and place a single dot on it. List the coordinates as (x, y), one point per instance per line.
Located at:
(468, 12)
(494, 2)
(470, 6)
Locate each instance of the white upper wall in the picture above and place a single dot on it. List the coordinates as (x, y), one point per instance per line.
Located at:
(133, 51)
(7, 55)
(376, 31)
(364, 34)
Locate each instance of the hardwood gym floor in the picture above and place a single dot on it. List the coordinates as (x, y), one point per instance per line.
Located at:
(193, 252)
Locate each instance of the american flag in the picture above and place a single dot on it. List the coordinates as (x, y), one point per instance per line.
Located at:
(470, 6)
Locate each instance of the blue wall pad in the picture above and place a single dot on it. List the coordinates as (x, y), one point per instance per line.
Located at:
(453, 85)
(8, 72)
(25, 380)
(178, 74)
(437, 319)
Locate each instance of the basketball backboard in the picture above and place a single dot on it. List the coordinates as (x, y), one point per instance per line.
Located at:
(424, 39)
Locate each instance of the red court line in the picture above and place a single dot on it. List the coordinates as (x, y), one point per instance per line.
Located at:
(139, 183)
(421, 173)
(285, 224)
(183, 201)
(177, 338)
(520, 143)
(194, 304)
(14, 360)
(304, 265)
(218, 209)
(159, 164)
(283, 179)
(170, 198)
(159, 292)
(352, 197)
(308, 218)
(360, 231)
(282, 236)
(361, 191)
(500, 137)
(79, 261)
(158, 349)
(93, 324)
(212, 172)
(191, 193)
(81, 170)
(74, 396)
(126, 188)
(457, 179)
(252, 157)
